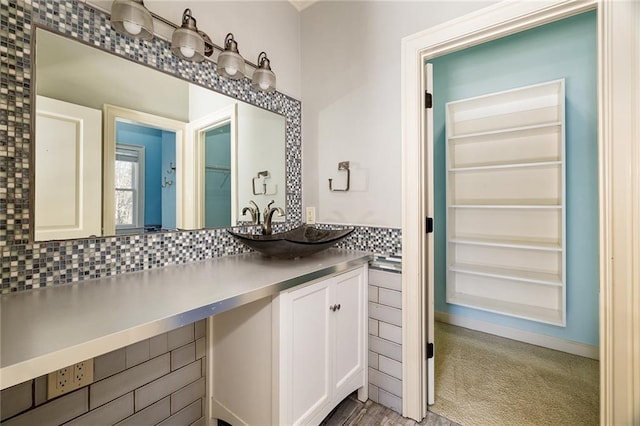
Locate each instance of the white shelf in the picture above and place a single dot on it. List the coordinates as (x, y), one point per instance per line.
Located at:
(506, 206)
(506, 166)
(506, 131)
(515, 244)
(506, 203)
(509, 274)
(517, 310)
(513, 110)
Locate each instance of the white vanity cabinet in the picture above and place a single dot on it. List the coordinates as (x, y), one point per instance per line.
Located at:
(291, 359)
(322, 346)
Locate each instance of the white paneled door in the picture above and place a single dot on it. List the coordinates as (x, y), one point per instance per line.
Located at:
(68, 172)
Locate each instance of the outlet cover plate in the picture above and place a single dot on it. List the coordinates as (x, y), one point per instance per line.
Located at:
(69, 378)
(310, 215)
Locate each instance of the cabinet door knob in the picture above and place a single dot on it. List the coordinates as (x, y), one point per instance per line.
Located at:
(338, 307)
(332, 308)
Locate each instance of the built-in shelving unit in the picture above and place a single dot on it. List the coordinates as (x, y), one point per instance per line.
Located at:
(506, 203)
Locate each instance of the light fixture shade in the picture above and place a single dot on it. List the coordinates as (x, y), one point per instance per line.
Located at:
(186, 42)
(230, 63)
(130, 17)
(263, 78)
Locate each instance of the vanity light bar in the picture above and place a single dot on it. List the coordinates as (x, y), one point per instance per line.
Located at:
(215, 46)
(187, 43)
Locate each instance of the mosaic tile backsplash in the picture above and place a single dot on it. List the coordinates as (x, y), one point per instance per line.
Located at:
(26, 265)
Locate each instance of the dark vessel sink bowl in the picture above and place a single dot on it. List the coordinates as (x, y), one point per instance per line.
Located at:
(302, 241)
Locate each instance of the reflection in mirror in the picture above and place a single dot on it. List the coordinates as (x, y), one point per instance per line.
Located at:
(144, 156)
(147, 146)
(217, 172)
(68, 170)
(124, 148)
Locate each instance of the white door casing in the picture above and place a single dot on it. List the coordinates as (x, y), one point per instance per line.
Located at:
(618, 109)
(68, 171)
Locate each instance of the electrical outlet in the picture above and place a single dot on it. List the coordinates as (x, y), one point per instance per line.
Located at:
(83, 373)
(69, 378)
(311, 215)
(62, 379)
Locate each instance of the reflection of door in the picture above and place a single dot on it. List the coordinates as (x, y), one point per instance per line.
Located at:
(217, 176)
(199, 171)
(158, 135)
(68, 172)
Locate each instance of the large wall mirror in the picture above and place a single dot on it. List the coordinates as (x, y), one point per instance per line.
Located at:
(122, 148)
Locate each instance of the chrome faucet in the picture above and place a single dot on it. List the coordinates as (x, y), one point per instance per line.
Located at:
(254, 211)
(268, 215)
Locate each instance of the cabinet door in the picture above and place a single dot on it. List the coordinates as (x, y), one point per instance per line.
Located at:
(349, 332)
(305, 352)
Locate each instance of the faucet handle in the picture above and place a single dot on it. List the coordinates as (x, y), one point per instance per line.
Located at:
(254, 211)
(268, 208)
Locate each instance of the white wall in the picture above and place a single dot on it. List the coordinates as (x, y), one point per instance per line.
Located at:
(351, 103)
(270, 26)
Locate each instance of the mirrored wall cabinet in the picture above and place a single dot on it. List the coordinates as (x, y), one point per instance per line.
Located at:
(506, 203)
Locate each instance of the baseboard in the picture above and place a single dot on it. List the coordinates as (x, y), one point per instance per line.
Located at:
(576, 348)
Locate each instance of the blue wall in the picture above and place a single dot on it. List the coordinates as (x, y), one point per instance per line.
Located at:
(565, 49)
(218, 185)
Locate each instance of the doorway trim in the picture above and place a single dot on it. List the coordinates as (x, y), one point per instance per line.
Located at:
(619, 177)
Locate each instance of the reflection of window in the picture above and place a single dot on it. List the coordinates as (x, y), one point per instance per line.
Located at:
(129, 185)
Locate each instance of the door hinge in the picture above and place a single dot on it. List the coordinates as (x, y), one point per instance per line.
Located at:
(428, 100)
(429, 350)
(429, 225)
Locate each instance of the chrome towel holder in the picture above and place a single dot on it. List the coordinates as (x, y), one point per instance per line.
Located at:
(343, 166)
(264, 175)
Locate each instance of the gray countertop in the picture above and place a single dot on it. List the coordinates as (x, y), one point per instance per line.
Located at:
(46, 329)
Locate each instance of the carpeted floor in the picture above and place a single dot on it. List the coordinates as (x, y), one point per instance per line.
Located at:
(487, 380)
